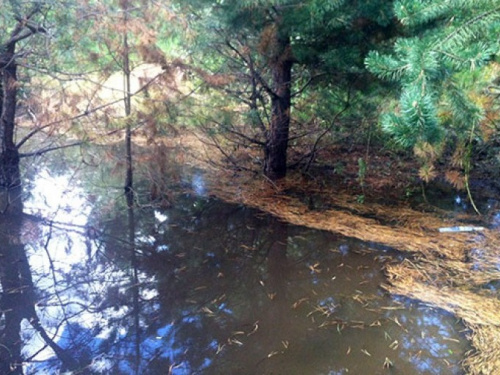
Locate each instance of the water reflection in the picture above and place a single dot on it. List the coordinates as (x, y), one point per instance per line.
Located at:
(204, 288)
(14, 292)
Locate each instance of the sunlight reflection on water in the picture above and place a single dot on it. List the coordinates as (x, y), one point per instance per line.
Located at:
(198, 184)
(60, 200)
(58, 197)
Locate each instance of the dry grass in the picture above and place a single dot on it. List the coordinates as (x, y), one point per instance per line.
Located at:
(455, 286)
(413, 280)
(348, 218)
(485, 359)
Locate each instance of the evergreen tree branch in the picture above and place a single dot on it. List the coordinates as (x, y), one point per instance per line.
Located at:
(253, 71)
(386, 67)
(467, 28)
(239, 134)
(416, 13)
(307, 84)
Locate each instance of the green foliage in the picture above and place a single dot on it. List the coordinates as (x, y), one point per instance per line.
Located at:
(466, 114)
(412, 62)
(416, 13)
(386, 66)
(329, 39)
(417, 120)
(450, 37)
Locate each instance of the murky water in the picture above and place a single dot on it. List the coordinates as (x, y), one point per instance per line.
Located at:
(205, 287)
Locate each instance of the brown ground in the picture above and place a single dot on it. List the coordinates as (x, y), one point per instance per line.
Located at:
(447, 270)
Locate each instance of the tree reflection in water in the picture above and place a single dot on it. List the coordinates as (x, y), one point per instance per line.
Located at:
(202, 288)
(18, 300)
(16, 294)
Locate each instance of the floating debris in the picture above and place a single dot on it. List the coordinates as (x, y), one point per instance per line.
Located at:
(388, 363)
(364, 351)
(272, 354)
(255, 328)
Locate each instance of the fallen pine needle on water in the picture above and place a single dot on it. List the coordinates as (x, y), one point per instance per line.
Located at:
(299, 302)
(255, 328)
(394, 345)
(219, 348)
(388, 363)
(314, 268)
(237, 342)
(272, 354)
(207, 311)
(364, 351)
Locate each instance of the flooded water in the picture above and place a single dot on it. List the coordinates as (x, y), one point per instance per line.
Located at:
(202, 287)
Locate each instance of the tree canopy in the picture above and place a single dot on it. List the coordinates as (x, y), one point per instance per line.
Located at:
(269, 75)
(266, 55)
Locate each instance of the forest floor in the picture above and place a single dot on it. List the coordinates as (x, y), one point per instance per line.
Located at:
(454, 271)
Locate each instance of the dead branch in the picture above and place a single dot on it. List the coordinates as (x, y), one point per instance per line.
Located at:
(84, 114)
(328, 129)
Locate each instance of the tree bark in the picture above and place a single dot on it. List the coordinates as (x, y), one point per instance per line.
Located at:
(9, 156)
(127, 100)
(275, 155)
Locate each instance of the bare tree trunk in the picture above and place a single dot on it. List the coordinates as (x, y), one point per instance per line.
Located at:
(9, 155)
(129, 192)
(275, 156)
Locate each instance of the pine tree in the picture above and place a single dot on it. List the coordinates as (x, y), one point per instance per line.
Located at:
(265, 53)
(441, 40)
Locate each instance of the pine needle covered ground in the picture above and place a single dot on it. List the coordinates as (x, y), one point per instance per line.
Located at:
(451, 271)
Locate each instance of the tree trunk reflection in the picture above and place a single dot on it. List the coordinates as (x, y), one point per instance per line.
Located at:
(18, 299)
(278, 269)
(16, 292)
(135, 281)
